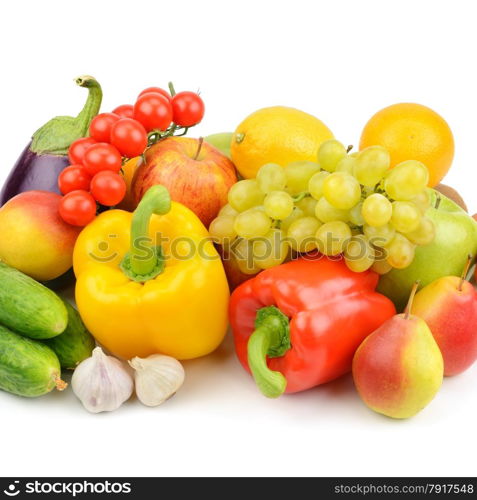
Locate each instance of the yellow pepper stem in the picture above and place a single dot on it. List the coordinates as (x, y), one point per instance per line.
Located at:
(144, 261)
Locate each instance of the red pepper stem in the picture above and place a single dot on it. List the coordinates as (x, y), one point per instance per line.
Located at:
(270, 339)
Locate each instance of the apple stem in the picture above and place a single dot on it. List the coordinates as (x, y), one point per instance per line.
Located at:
(464, 272)
(201, 141)
(407, 311)
(349, 148)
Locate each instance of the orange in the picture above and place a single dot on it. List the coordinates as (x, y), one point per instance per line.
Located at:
(276, 135)
(128, 171)
(412, 131)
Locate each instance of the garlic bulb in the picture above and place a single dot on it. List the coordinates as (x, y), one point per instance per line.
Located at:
(157, 378)
(102, 383)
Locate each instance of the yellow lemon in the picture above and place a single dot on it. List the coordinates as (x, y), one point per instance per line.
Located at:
(276, 135)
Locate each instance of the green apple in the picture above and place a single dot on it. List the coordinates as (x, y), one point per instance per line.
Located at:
(456, 238)
(221, 141)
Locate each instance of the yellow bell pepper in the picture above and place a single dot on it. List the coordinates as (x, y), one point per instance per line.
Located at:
(151, 281)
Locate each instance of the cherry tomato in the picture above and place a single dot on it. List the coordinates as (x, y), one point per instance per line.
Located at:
(101, 156)
(100, 128)
(124, 111)
(108, 188)
(73, 178)
(154, 111)
(77, 149)
(155, 90)
(77, 208)
(188, 109)
(129, 136)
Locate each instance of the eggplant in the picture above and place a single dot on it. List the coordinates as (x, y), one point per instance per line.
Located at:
(46, 155)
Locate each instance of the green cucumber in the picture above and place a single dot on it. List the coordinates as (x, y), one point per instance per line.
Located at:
(75, 344)
(27, 368)
(28, 307)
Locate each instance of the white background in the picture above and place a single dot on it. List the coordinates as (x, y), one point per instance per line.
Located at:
(341, 61)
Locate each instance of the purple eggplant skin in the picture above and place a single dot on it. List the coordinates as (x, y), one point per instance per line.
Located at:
(33, 171)
(38, 167)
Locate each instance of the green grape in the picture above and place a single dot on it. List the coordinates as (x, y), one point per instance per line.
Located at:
(301, 234)
(355, 215)
(400, 252)
(244, 195)
(330, 153)
(332, 237)
(326, 212)
(424, 233)
(298, 174)
(222, 229)
(315, 185)
(271, 177)
(381, 266)
(406, 216)
(278, 205)
(341, 190)
(377, 210)
(406, 180)
(295, 215)
(346, 165)
(422, 201)
(359, 254)
(379, 236)
(371, 165)
(228, 210)
(252, 223)
(243, 256)
(270, 250)
(307, 205)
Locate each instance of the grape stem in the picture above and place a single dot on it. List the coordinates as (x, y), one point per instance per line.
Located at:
(300, 196)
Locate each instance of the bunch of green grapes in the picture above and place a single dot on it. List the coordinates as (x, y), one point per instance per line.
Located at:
(350, 204)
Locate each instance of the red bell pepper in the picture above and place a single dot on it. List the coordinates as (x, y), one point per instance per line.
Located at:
(298, 325)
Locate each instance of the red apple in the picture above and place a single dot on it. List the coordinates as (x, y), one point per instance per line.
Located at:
(33, 237)
(196, 174)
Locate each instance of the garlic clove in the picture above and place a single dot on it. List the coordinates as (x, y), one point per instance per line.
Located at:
(102, 383)
(157, 378)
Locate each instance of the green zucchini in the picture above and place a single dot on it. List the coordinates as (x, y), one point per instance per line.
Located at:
(75, 344)
(28, 307)
(27, 367)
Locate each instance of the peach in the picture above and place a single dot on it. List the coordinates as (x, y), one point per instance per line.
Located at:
(33, 237)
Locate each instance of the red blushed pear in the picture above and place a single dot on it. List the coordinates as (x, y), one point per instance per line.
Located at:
(399, 368)
(449, 307)
(33, 237)
(195, 173)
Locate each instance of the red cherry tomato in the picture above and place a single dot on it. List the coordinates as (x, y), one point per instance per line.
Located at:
(124, 111)
(100, 128)
(77, 208)
(188, 109)
(101, 156)
(73, 178)
(154, 111)
(155, 90)
(108, 188)
(129, 136)
(77, 149)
